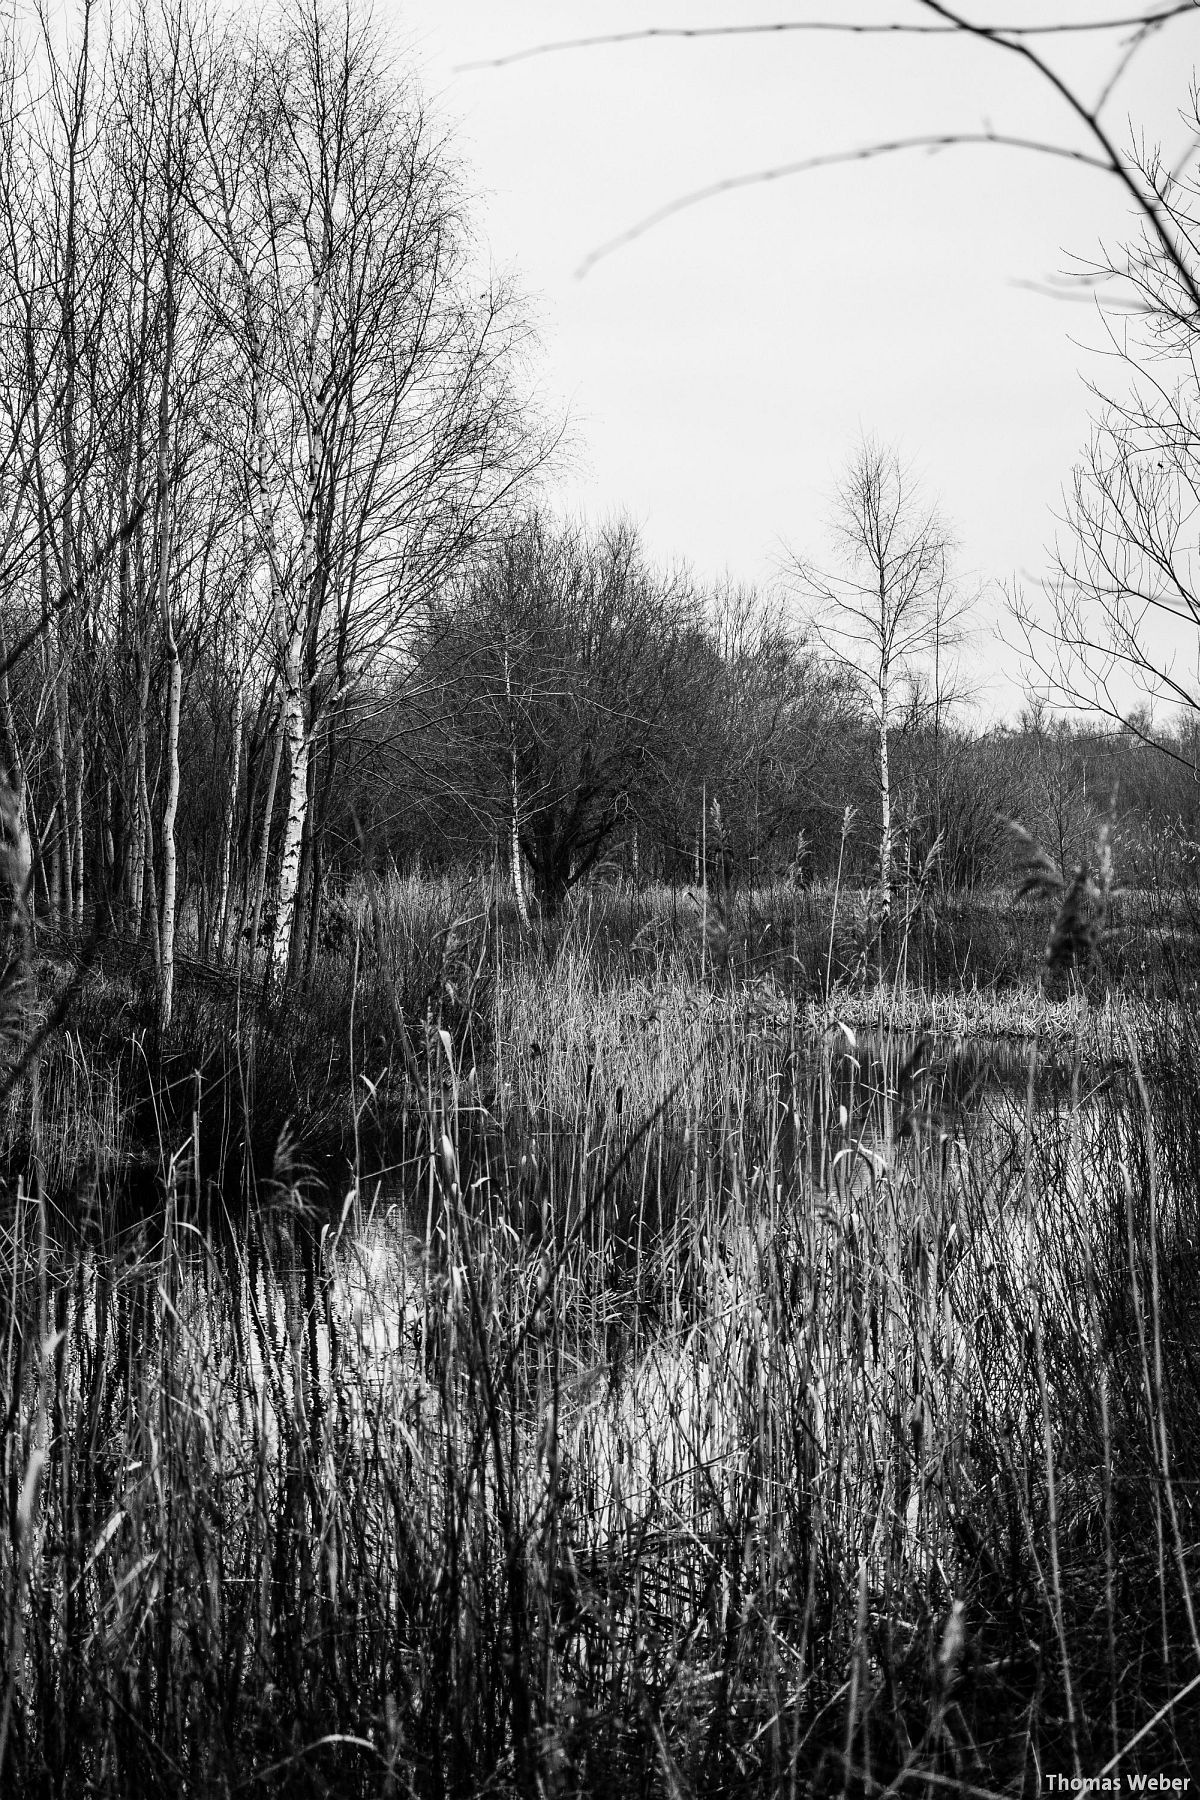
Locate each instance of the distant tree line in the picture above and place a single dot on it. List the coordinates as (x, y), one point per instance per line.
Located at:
(578, 712)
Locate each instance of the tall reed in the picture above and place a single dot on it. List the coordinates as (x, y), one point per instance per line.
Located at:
(703, 1400)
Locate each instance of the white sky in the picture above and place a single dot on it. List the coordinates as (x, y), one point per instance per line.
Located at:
(720, 369)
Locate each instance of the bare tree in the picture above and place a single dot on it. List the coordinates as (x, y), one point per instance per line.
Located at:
(169, 141)
(1118, 623)
(892, 607)
(556, 665)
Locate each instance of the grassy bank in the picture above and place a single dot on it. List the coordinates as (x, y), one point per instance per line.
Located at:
(615, 1363)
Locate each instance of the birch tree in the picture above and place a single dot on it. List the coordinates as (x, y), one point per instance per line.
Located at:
(172, 151)
(891, 604)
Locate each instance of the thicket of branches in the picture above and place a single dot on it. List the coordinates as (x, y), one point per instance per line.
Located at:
(258, 406)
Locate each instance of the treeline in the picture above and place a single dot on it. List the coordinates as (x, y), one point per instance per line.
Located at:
(578, 710)
(276, 593)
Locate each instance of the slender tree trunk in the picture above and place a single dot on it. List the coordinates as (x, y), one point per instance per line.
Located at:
(299, 727)
(106, 858)
(55, 818)
(290, 734)
(517, 879)
(166, 959)
(937, 743)
(14, 761)
(72, 803)
(21, 858)
(264, 842)
(77, 825)
(141, 832)
(514, 815)
(15, 768)
(300, 911)
(62, 884)
(150, 890)
(131, 838)
(246, 857)
(166, 964)
(224, 906)
(300, 640)
(296, 738)
(137, 853)
(885, 802)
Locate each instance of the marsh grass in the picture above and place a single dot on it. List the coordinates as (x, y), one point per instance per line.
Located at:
(685, 1390)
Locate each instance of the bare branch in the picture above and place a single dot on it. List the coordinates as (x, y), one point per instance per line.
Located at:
(1146, 199)
(1151, 18)
(931, 142)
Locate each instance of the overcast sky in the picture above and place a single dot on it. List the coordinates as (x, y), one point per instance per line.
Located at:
(719, 369)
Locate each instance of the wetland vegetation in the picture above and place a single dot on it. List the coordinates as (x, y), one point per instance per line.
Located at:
(582, 1368)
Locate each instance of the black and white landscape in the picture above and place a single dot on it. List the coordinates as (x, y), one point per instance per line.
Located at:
(599, 900)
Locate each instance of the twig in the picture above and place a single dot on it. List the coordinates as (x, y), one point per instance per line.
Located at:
(794, 27)
(933, 142)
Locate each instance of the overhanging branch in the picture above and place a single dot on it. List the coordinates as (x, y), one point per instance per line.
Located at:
(931, 142)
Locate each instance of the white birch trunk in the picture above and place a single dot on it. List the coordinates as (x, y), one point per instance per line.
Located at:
(77, 829)
(224, 905)
(296, 739)
(518, 883)
(296, 723)
(885, 802)
(166, 961)
(142, 834)
(264, 841)
(513, 803)
(150, 890)
(62, 885)
(224, 915)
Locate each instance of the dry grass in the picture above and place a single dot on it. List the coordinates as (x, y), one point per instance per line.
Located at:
(709, 1400)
